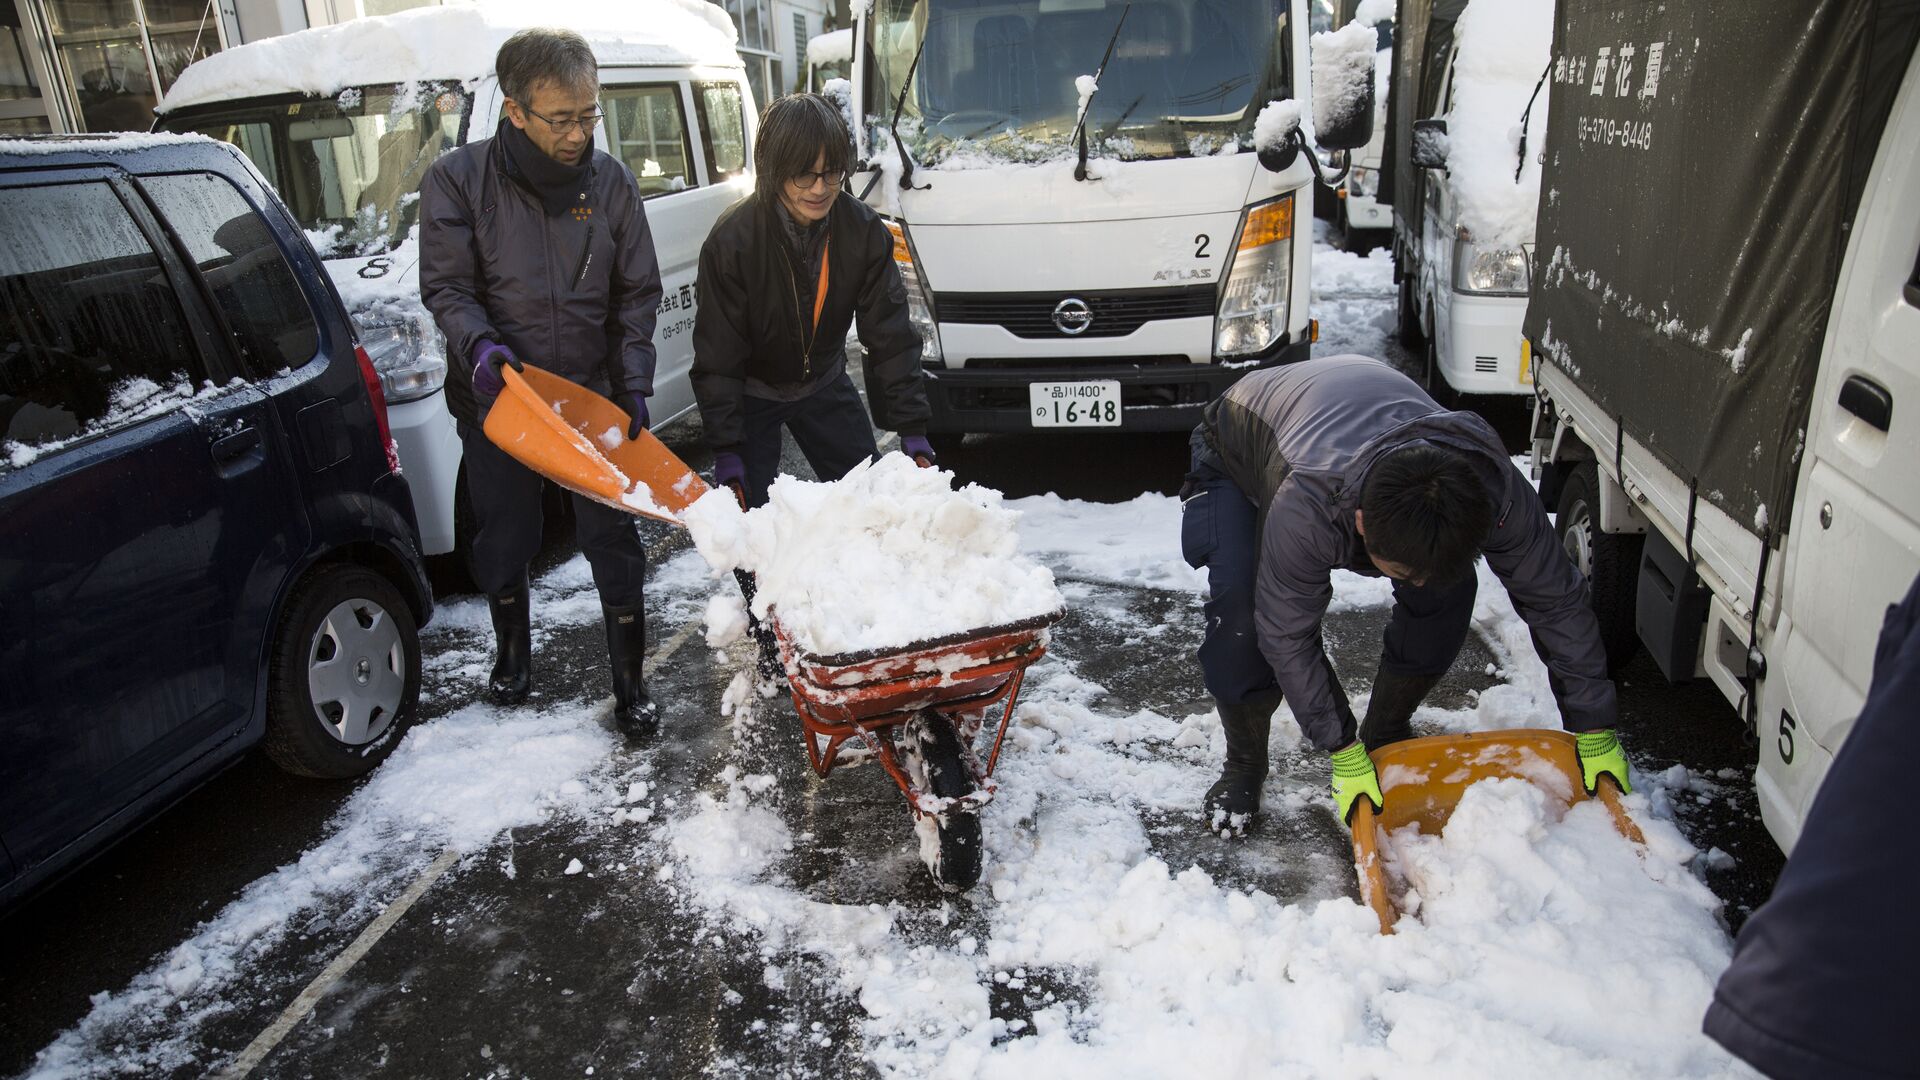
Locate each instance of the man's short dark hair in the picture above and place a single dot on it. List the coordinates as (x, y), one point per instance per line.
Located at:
(793, 131)
(1423, 507)
(545, 54)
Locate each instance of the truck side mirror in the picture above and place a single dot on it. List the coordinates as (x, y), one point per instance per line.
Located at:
(1343, 64)
(1430, 144)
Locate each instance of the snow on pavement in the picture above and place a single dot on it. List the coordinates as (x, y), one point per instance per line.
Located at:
(1546, 945)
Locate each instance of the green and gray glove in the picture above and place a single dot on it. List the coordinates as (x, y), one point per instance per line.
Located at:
(1600, 754)
(1354, 776)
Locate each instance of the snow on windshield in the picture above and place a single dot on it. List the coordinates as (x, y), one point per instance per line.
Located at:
(1009, 83)
(1504, 47)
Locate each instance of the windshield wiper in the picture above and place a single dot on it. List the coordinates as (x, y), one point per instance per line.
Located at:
(906, 163)
(1080, 127)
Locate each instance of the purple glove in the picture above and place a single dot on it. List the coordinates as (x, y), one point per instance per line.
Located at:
(729, 470)
(636, 407)
(487, 357)
(918, 448)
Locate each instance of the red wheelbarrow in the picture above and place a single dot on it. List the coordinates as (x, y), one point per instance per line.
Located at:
(1423, 779)
(919, 710)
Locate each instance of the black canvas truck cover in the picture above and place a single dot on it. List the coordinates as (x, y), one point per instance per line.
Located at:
(1704, 160)
(1422, 35)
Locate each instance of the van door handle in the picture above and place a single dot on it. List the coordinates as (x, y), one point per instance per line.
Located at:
(1867, 400)
(234, 447)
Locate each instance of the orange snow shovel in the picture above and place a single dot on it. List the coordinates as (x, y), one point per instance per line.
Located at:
(578, 439)
(1422, 780)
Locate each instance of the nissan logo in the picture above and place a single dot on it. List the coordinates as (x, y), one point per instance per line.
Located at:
(1072, 316)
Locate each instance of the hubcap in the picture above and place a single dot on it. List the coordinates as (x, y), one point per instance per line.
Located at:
(356, 671)
(1578, 539)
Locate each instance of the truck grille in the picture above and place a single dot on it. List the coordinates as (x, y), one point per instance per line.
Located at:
(1116, 313)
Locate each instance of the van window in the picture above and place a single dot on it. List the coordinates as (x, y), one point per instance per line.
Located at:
(92, 337)
(724, 129)
(348, 166)
(647, 129)
(272, 326)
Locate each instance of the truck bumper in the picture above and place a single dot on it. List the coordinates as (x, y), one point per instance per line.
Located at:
(987, 397)
(429, 443)
(1483, 348)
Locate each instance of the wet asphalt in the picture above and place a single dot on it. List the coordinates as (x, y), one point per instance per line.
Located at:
(489, 974)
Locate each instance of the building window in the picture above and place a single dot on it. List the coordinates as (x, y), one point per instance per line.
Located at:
(119, 56)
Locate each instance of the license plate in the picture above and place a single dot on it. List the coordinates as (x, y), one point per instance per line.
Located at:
(1094, 403)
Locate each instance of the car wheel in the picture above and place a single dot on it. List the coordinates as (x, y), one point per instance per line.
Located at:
(1408, 328)
(1609, 561)
(344, 674)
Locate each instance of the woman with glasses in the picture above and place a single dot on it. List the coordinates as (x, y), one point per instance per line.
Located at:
(535, 248)
(783, 275)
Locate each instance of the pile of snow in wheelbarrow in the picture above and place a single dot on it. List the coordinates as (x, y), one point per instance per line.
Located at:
(1543, 944)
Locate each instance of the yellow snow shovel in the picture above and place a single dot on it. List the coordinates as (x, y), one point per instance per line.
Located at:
(1423, 779)
(578, 439)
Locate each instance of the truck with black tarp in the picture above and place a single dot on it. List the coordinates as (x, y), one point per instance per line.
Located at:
(1725, 322)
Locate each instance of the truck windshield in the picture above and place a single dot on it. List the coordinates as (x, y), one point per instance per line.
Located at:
(998, 77)
(348, 166)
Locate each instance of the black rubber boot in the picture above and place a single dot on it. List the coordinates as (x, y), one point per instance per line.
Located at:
(1234, 798)
(1390, 709)
(512, 675)
(633, 710)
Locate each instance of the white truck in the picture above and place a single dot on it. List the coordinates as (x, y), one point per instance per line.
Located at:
(1726, 319)
(1465, 179)
(1093, 234)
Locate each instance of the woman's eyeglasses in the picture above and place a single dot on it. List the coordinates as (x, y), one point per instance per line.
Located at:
(805, 181)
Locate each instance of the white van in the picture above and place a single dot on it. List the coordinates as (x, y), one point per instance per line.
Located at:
(346, 142)
(1465, 193)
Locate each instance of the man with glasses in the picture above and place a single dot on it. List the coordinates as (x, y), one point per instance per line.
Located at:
(535, 247)
(783, 275)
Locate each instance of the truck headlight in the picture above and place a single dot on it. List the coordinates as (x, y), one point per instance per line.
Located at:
(1363, 182)
(1254, 303)
(409, 361)
(919, 301)
(1489, 271)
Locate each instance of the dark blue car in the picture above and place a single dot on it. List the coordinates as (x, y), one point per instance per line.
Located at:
(205, 540)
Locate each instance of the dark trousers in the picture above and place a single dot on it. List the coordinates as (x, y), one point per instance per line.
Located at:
(1219, 530)
(830, 426)
(507, 507)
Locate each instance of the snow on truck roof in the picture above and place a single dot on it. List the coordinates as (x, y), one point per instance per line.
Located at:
(455, 41)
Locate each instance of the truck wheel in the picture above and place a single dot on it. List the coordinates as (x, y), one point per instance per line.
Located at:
(1436, 383)
(949, 841)
(1609, 561)
(343, 676)
(1408, 327)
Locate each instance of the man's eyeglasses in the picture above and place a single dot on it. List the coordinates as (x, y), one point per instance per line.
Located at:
(568, 127)
(805, 181)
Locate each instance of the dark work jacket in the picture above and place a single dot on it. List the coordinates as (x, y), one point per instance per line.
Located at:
(1299, 441)
(1821, 984)
(754, 316)
(576, 294)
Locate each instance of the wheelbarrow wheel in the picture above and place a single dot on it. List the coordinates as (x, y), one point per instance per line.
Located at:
(949, 841)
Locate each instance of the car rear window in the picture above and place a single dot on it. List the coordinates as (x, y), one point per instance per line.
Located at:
(226, 238)
(92, 336)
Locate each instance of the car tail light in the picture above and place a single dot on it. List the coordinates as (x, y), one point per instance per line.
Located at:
(379, 396)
